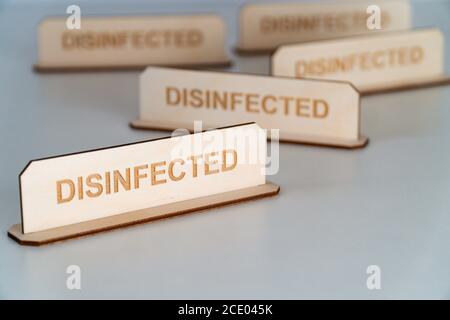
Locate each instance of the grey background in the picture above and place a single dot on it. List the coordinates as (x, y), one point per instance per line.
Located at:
(338, 212)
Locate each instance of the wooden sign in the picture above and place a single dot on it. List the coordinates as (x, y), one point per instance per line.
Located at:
(373, 63)
(131, 42)
(77, 194)
(306, 111)
(264, 27)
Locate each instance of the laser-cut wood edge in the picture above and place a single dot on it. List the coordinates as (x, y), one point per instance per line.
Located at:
(68, 69)
(242, 51)
(414, 84)
(141, 216)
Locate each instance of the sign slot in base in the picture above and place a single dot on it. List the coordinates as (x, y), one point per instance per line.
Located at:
(284, 137)
(418, 84)
(140, 67)
(141, 216)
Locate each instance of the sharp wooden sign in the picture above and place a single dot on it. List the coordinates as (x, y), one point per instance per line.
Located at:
(77, 194)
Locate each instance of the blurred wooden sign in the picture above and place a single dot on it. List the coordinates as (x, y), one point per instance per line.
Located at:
(305, 111)
(72, 195)
(263, 27)
(373, 63)
(131, 42)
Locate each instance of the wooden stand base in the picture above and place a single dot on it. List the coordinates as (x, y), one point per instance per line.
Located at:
(413, 84)
(65, 69)
(253, 52)
(140, 216)
(326, 142)
(284, 137)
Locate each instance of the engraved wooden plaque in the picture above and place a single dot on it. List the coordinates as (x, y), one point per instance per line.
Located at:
(305, 111)
(265, 26)
(71, 195)
(134, 42)
(372, 63)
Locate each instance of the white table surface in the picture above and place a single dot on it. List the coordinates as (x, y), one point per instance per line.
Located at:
(339, 211)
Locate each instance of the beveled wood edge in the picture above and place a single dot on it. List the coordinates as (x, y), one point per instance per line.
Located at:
(78, 69)
(427, 83)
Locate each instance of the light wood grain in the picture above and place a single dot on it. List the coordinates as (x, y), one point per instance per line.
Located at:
(162, 104)
(79, 187)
